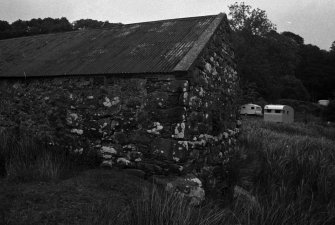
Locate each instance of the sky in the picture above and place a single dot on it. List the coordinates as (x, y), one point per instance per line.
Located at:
(314, 20)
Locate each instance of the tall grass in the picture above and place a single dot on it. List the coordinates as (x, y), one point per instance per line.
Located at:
(25, 158)
(290, 169)
(159, 208)
(286, 176)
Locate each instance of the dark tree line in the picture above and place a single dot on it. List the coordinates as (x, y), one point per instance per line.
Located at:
(21, 28)
(276, 65)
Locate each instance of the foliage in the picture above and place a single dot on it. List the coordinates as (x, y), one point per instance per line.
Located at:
(298, 39)
(332, 47)
(253, 21)
(278, 65)
(265, 59)
(89, 23)
(317, 71)
(47, 25)
(293, 88)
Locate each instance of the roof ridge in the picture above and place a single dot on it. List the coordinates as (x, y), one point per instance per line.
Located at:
(175, 19)
(187, 61)
(108, 28)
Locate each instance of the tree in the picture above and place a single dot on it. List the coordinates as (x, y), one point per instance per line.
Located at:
(4, 29)
(253, 21)
(332, 47)
(19, 28)
(94, 24)
(265, 58)
(317, 71)
(4, 25)
(298, 39)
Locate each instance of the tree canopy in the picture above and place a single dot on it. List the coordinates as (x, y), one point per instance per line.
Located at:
(254, 21)
(21, 28)
(275, 66)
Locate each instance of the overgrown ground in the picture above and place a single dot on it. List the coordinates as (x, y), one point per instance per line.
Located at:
(69, 201)
(284, 174)
(290, 172)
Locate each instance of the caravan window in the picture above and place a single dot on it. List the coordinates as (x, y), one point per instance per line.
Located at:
(268, 110)
(252, 107)
(278, 111)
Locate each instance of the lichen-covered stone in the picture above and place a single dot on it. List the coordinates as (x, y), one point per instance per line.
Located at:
(188, 186)
(159, 123)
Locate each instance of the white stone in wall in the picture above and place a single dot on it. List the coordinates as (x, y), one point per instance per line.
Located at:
(179, 131)
(184, 144)
(116, 100)
(107, 163)
(77, 131)
(201, 92)
(78, 150)
(214, 72)
(107, 102)
(208, 67)
(123, 161)
(156, 129)
(107, 149)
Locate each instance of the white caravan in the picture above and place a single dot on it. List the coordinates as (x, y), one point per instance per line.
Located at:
(251, 109)
(323, 102)
(279, 113)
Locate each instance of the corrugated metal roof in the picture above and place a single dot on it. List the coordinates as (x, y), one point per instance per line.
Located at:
(150, 47)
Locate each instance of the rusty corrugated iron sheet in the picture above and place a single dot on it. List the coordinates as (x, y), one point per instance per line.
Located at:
(150, 47)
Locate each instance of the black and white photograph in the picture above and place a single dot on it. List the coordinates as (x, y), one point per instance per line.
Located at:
(170, 112)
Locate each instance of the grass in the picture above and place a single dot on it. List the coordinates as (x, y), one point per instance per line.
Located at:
(68, 201)
(290, 169)
(156, 207)
(285, 174)
(27, 158)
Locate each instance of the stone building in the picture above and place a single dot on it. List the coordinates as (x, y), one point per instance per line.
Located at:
(160, 94)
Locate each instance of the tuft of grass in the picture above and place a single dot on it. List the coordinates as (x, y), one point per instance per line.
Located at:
(159, 208)
(25, 158)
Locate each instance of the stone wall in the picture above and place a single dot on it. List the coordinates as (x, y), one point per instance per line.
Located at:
(124, 118)
(212, 109)
(161, 124)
